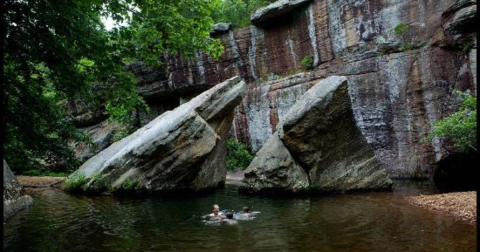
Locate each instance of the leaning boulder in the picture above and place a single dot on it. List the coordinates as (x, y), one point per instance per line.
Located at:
(14, 199)
(318, 146)
(181, 150)
(276, 9)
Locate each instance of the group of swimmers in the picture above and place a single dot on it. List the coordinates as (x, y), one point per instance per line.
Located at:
(229, 216)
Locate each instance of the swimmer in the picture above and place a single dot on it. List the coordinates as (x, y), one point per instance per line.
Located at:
(229, 218)
(216, 212)
(246, 211)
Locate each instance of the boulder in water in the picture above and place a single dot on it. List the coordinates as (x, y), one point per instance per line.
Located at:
(181, 150)
(317, 147)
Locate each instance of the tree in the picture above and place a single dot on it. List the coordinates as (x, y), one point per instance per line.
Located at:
(55, 49)
(461, 126)
(237, 12)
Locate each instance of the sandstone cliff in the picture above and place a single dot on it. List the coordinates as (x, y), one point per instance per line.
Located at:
(402, 60)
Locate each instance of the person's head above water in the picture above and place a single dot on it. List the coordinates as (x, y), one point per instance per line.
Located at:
(229, 215)
(216, 209)
(246, 209)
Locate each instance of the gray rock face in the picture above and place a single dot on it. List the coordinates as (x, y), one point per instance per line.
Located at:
(14, 199)
(274, 169)
(181, 150)
(317, 146)
(102, 137)
(460, 18)
(276, 9)
(221, 27)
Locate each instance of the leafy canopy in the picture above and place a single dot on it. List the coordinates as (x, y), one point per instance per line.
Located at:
(461, 126)
(55, 49)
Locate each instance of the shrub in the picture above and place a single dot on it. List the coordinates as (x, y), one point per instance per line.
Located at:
(239, 155)
(129, 184)
(461, 126)
(76, 183)
(32, 173)
(307, 62)
(99, 184)
(400, 29)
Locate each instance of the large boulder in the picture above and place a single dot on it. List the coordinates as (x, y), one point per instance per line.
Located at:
(276, 9)
(221, 27)
(317, 147)
(14, 199)
(181, 150)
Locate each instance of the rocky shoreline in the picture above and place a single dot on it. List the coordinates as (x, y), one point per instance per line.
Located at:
(39, 182)
(461, 205)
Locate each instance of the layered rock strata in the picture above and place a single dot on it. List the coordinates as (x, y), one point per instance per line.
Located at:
(14, 198)
(317, 147)
(181, 150)
(400, 80)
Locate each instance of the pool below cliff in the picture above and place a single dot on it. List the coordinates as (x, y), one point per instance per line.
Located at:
(381, 221)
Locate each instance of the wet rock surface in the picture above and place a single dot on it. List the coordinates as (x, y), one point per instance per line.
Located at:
(14, 198)
(317, 147)
(181, 150)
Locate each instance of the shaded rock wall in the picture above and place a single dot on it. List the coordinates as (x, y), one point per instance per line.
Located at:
(400, 83)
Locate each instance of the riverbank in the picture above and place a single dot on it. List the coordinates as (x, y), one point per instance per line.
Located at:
(461, 205)
(234, 178)
(40, 182)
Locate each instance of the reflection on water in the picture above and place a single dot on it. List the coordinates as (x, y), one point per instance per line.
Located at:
(355, 222)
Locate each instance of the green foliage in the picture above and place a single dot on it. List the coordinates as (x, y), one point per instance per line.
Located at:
(407, 46)
(98, 183)
(75, 184)
(400, 29)
(129, 184)
(461, 126)
(237, 12)
(54, 50)
(39, 173)
(239, 155)
(307, 62)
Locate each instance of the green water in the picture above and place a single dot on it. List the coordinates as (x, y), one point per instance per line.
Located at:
(356, 222)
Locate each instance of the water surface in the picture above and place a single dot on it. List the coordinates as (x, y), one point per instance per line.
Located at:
(381, 221)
